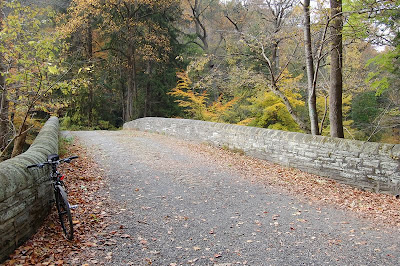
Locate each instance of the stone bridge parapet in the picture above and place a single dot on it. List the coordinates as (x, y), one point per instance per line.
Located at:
(366, 165)
(25, 194)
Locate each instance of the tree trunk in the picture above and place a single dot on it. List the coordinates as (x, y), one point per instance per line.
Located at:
(312, 98)
(146, 99)
(19, 141)
(4, 103)
(335, 90)
(201, 30)
(89, 56)
(123, 94)
(148, 89)
(131, 93)
(275, 58)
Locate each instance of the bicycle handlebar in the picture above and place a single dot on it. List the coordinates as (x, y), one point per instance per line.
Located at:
(65, 160)
(40, 165)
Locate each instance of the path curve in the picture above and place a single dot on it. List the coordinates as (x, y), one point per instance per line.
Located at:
(174, 204)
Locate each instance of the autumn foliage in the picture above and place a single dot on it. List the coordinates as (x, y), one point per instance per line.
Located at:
(98, 64)
(197, 103)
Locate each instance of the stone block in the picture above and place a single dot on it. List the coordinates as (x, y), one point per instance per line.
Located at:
(395, 152)
(22, 219)
(12, 212)
(304, 138)
(374, 178)
(331, 143)
(370, 148)
(8, 244)
(349, 175)
(366, 170)
(371, 163)
(7, 226)
(389, 165)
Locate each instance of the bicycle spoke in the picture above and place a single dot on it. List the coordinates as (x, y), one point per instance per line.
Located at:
(64, 213)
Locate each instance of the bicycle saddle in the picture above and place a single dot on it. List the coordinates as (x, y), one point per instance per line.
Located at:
(53, 157)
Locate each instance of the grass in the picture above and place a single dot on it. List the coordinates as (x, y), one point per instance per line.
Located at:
(234, 150)
(63, 143)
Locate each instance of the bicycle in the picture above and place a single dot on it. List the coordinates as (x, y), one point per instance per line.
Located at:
(63, 207)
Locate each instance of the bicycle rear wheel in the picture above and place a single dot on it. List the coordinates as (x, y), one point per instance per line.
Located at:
(64, 212)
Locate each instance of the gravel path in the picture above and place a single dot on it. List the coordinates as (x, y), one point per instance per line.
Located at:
(176, 204)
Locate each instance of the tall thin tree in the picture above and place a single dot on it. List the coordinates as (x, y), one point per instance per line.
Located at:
(336, 80)
(89, 57)
(312, 99)
(4, 103)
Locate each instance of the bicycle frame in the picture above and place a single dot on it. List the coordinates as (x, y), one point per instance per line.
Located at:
(56, 176)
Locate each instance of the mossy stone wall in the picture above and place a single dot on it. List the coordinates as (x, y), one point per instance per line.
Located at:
(25, 194)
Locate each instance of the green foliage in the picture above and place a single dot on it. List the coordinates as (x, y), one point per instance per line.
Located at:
(31, 49)
(387, 71)
(63, 143)
(33, 68)
(364, 109)
(268, 111)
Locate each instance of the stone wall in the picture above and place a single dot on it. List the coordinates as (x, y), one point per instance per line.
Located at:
(25, 194)
(367, 165)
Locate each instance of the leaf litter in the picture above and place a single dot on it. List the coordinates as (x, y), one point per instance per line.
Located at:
(381, 208)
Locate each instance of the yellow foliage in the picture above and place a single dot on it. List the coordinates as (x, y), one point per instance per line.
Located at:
(246, 121)
(287, 83)
(34, 67)
(218, 109)
(269, 111)
(346, 104)
(196, 103)
(290, 87)
(192, 101)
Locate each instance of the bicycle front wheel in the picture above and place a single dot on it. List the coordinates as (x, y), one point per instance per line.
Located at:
(64, 212)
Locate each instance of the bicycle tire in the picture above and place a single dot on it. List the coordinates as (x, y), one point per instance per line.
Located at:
(64, 212)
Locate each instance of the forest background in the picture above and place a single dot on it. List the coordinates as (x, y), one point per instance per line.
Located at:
(320, 67)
